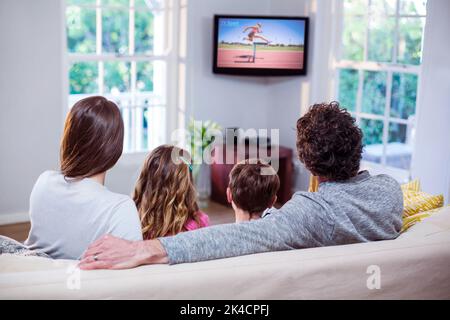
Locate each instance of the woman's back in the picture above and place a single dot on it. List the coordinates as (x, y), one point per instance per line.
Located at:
(67, 215)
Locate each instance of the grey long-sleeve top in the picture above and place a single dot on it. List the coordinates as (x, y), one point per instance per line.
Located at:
(363, 208)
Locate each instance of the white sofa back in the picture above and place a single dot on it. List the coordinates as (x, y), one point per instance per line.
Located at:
(414, 266)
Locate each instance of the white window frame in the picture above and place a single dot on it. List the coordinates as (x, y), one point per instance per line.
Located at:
(389, 67)
(168, 95)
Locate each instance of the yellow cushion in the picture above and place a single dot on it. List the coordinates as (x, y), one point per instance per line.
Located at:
(418, 205)
(411, 186)
(416, 201)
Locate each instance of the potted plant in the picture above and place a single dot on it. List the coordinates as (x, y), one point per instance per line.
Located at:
(201, 136)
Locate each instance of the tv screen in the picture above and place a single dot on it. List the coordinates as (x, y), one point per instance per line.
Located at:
(260, 45)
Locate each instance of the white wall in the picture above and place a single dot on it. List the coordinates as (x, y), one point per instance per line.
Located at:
(232, 101)
(431, 161)
(30, 96)
(238, 101)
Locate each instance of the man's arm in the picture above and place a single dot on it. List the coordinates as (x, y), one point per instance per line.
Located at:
(300, 223)
(296, 225)
(229, 240)
(214, 242)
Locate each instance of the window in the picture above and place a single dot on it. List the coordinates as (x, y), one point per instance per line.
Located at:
(377, 68)
(120, 49)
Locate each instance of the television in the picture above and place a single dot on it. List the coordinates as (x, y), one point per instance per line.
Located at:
(260, 45)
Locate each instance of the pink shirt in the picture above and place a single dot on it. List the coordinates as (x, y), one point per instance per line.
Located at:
(192, 224)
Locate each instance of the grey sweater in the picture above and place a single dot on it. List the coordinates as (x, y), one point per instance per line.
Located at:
(363, 208)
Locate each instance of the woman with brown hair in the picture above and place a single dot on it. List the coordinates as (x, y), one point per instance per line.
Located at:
(165, 195)
(71, 207)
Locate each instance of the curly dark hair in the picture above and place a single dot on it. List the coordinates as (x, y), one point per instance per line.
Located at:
(329, 143)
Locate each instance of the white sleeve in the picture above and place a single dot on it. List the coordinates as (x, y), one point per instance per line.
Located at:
(125, 221)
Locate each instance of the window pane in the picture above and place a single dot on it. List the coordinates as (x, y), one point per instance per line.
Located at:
(381, 38)
(372, 130)
(80, 25)
(150, 4)
(404, 94)
(117, 77)
(80, 2)
(355, 7)
(155, 120)
(372, 139)
(413, 7)
(144, 127)
(144, 30)
(397, 132)
(383, 7)
(83, 78)
(374, 92)
(128, 128)
(115, 31)
(348, 88)
(410, 40)
(140, 3)
(144, 139)
(353, 38)
(144, 77)
(122, 3)
(399, 150)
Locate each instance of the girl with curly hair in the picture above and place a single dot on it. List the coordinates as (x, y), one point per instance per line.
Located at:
(165, 195)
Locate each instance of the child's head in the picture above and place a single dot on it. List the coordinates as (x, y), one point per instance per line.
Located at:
(164, 194)
(251, 192)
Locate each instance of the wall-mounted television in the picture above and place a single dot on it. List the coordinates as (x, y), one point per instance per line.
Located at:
(260, 45)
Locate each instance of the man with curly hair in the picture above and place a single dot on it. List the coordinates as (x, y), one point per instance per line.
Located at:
(349, 207)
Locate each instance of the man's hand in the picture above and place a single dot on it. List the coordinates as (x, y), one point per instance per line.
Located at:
(110, 252)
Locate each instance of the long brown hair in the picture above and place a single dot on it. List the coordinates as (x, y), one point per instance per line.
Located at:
(93, 138)
(164, 194)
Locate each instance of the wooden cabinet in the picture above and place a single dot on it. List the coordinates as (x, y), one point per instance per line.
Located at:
(220, 168)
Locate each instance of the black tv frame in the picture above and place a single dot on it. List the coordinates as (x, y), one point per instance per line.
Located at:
(259, 71)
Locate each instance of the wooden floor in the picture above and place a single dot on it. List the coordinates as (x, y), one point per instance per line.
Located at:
(17, 231)
(218, 214)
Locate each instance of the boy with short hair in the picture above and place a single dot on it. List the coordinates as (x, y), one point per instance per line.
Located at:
(251, 193)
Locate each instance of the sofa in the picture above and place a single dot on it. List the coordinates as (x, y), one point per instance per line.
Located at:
(414, 266)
